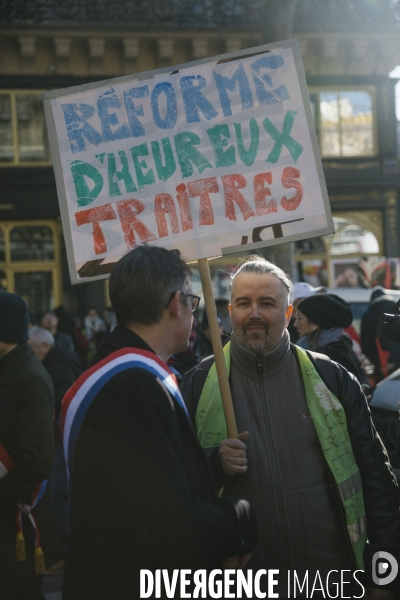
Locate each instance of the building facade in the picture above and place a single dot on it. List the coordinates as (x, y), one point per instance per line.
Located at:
(49, 44)
(348, 52)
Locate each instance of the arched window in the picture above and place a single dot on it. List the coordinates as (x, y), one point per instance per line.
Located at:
(357, 235)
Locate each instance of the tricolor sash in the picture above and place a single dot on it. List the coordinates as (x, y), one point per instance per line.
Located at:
(80, 396)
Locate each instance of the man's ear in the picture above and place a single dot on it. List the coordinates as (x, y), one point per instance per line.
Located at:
(175, 305)
(289, 312)
(230, 309)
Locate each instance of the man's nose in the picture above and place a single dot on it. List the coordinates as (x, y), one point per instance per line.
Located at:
(255, 312)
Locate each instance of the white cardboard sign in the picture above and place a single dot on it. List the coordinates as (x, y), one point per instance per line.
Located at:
(205, 157)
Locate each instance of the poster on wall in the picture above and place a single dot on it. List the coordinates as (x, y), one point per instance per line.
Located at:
(366, 272)
(211, 157)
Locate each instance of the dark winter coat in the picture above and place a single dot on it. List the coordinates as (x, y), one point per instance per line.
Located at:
(341, 351)
(63, 371)
(369, 323)
(141, 494)
(286, 480)
(26, 423)
(26, 432)
(64, 342)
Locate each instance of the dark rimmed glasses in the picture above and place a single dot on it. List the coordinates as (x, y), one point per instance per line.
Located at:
(194, 300)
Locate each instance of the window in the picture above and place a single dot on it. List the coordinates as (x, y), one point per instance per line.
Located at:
(30, 262)
(351, 238)
(330, 259)
(36, 287)
(23, 135)
(345, 122)
(310, 246)
(31, 243)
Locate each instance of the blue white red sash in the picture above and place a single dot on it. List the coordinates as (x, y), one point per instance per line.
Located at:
(80, 396)
(26, 509)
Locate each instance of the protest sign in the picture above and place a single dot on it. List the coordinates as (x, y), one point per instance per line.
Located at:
(205, 158)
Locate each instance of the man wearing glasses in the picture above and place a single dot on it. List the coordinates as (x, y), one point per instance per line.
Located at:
(141, 493)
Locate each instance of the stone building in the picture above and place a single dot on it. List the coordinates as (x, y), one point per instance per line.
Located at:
(348, 51)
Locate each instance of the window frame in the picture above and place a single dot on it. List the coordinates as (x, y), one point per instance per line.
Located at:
(369, 89)
(11, 267)
(16, 162)
(361, 219)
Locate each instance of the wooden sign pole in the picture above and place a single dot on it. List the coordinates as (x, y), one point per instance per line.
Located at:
(217, 348)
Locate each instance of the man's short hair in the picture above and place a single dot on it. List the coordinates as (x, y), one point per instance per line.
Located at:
(143, 281)
(259, 266)
(40, 335)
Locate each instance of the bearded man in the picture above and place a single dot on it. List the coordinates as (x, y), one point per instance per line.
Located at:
(308, 457)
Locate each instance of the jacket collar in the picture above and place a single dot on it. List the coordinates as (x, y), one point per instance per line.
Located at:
(267, 365)
(120, 337)
(327, 336)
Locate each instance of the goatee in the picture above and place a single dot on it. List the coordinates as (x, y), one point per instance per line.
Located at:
(256, 343)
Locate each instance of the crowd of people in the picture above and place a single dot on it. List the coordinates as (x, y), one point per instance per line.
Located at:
(101, 474)
(80, 337)
(324, 323)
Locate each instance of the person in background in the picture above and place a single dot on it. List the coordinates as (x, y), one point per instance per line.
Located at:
(62, 340)
(222, 306)
(81, 342)
(183, 361)
(26, 455)
(95, 329)
(62, 369)
(225, 327)
(354, 335)
(384, 354)
(351, 276)
(321, 318)
(110, 320)
(301, 290)
(204, 337)
(65, 321)
(49, 321)
(67, 324)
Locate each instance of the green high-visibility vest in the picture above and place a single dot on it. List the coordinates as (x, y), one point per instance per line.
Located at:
(324, 408)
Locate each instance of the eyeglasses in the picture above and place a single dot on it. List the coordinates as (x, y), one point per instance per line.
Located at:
(194, 300)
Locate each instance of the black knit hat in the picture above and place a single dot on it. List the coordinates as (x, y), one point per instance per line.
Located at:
(327, 311)
(377, 292)
(14, 319)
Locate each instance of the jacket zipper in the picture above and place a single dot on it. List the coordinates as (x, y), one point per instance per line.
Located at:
(285, 541)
